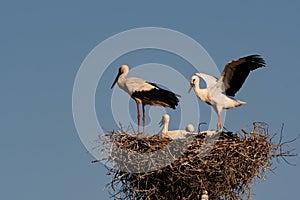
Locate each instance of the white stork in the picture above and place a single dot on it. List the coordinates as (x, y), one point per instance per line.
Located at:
(220, 91)
(174, 134)
(144, 92)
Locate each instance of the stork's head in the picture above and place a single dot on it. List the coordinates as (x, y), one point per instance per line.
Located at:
(190, 128)
(194, 81)
(123, 70)
(164, 120)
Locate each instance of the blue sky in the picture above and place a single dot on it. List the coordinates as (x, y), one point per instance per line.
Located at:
(44, 43)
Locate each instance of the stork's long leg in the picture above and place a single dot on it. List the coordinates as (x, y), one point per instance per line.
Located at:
(144, 118)
(220, 125)
(138, 115)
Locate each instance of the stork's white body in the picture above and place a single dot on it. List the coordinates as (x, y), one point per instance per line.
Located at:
(133, 84)
(214, 93)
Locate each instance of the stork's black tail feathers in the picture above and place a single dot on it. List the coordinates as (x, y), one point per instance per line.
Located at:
(168, 97)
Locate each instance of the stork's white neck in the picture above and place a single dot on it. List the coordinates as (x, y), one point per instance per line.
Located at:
(122, 79)
(165, 128)
(201, 93)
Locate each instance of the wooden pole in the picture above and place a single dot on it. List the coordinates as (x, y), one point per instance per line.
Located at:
(204, 195)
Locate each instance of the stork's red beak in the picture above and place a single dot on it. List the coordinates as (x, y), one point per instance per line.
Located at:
(116, 80)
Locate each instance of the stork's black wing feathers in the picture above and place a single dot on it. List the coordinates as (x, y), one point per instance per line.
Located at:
(155, 85)
(236, 72)
(157, 96)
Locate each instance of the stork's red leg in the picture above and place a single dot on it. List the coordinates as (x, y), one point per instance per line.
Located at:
(144, 118)
(220, 126)
(138, 115)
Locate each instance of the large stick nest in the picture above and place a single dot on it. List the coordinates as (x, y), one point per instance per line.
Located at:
(153, 167)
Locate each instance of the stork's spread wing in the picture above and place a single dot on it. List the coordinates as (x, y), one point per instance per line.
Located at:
(236, 72)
